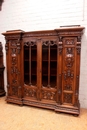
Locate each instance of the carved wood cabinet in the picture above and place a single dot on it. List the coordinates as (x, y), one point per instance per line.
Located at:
(2, 91)
(43, 68)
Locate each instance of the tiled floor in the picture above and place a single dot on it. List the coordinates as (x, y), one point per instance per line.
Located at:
(14, 117)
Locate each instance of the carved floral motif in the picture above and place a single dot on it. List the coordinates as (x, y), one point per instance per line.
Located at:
(69, 42)
(68, 86)
(14, 90)
(48, 95)
(29, 92)
(67, 98)
(69, 61)
(68, 75)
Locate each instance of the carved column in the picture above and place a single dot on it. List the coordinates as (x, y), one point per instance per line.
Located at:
(78, 51)
(60, 56)
(13, 57)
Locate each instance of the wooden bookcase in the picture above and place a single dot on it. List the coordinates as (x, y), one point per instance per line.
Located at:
(43, 68)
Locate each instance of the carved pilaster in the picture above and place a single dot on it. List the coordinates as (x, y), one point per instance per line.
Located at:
(60, 45)
(78, 46)
(6, 46)
(59, 89)
(18, 46)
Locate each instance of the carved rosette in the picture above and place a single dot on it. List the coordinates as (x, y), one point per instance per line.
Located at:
(48, 95)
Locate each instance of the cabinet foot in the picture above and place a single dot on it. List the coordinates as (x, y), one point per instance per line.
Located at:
(76, 115)
(21, 105)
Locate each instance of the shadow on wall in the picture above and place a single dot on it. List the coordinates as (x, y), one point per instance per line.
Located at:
(1, 1)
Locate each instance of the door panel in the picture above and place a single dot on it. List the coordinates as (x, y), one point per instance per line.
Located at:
(49, 69)
(30, 69)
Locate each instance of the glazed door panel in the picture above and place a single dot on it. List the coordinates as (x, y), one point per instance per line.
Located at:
(49, 70)
(30, 70)
(69, 70)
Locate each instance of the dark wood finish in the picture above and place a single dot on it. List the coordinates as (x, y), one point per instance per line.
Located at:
(43, 68)
(1, 1)
(2, 91)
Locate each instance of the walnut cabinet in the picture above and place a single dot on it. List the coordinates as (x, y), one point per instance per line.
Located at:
(43, 68)
(2, 91)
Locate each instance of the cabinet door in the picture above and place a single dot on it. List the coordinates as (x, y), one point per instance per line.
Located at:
(30, 69)
(69, 70)
(49, 70)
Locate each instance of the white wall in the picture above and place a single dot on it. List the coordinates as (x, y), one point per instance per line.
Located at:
(30, 15)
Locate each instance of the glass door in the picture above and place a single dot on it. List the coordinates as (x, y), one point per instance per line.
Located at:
(49, 70)
(30, 69)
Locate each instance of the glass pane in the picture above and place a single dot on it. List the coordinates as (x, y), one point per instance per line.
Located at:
(53, 65)
(30, 65)
(26, 65)
(53, 53)
(49, 65)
